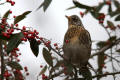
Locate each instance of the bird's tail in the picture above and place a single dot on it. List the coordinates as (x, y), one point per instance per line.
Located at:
(85, 72)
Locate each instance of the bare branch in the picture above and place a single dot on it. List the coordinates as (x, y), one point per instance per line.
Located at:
(106, 47)
(103, 75)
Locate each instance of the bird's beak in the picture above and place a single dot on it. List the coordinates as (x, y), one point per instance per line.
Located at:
(68, 17)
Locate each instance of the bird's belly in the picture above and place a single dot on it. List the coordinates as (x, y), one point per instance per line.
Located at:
(76, 53)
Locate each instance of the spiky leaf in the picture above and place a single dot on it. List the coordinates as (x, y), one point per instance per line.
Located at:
(71, 8)
(117, 4)
(14, 65)
(45, 5)
(14, 41)
(110, 23)
(43, 70)
(117, 18)
(47, 56)
(100, 6)
(6, 14)
(79, 5)
(21, 17)
(34, 45)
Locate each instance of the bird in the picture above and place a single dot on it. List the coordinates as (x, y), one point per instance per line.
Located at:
(77, 43)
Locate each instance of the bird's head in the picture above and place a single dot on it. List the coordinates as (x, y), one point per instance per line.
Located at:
(74, 20)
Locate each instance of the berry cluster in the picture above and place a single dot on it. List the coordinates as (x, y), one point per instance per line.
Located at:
(101, 18)
(26, 70)
(44, 77)
(11, 2)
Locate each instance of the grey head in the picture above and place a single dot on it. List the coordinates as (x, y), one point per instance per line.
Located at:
(74, 20)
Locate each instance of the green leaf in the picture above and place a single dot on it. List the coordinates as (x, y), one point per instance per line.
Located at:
(14, 41)
(3, 38)
(117, 18)
(117, 4)
(6, 14)
(101, 44)
(45, 5)
(95, 14)
(79, 5)
(109, 23)
(112, 38)
(17, 75)
(14, 65)
(71, 8)
(113, 13)
(99, 7)
(109, 9)
(34, 46)
(21, 17)
(47, 56)
(43, 70)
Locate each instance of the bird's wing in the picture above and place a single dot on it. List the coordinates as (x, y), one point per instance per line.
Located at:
(84, 38)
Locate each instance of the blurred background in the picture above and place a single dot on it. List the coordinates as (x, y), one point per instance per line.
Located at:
(52, 25)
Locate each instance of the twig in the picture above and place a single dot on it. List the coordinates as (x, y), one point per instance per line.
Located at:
(56, 74)
(112, 58)
(103, 75)
(106, 47)
(2, 61)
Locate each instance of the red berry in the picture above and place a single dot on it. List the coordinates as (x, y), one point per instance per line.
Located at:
(37, 37)
(19, 53)
(55, 44)
(100, 21)
(31, 32)
(25, 68)
(12, 30)
(108, 2)
(105, 57)
(2, 26)
(18, 60)
(4, 34)
(48, 42)
(11, 25)
(39, 41)
(82, 14)
(102, 65)
(10, 11)
(37, 33)
(27, 74)
(105, 67)
(16, 55)
(56, 47)
(118, 26)
(16, 25)
(17, 49)
(67, 41)
(25, 33)
(24, 28)
(12, 3)
(25, 39)
(41, 38)
(41, 66)
(8, 0)
(14, 16)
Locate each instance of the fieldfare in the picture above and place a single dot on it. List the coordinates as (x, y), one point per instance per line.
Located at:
(77, 42)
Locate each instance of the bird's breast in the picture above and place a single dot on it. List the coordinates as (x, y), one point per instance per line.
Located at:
(74, 40)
